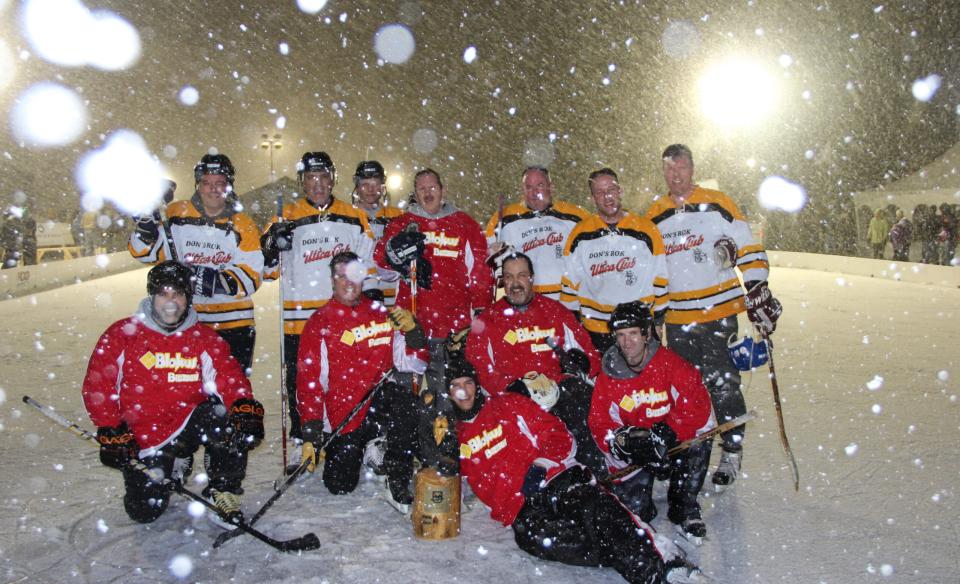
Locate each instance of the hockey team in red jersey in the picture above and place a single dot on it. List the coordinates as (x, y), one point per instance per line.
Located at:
(563, 381)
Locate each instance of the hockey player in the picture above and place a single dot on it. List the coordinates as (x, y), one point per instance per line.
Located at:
(518, 460)
(512, 350)
(314, 228)
(538, 227)
(219, 244)
(346, 348)
(706, 236)
(614, 256)
(370, 196)
(648, 399)
(158, 386)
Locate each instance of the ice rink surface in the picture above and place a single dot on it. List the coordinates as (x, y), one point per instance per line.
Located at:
(868, 372)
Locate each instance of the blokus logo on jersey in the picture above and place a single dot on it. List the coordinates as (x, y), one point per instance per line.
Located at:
(643, 396)
(552, 239)
(692, 241)
(202, 259)
(440, 241)
(359, 333)
(526, 334)
(318, 255)
(152, 360)
(622, 265)
(478, 443)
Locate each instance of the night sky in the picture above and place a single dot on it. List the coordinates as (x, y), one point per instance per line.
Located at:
(573, 85)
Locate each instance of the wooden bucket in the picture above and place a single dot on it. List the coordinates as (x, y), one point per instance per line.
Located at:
(436, 505)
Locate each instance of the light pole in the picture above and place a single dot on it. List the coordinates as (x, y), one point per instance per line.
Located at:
(271, 143)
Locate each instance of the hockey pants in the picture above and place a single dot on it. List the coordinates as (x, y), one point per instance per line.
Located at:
(224, 463)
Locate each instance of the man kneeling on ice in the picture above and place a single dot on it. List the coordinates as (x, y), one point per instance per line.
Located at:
(346, 349)
(519, 460)
(158, 386)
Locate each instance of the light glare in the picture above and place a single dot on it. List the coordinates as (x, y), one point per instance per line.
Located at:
(47, 115)
(124, 172)
(737, 93)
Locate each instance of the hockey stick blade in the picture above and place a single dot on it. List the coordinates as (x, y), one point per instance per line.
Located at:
(729, 425)
(304, 543)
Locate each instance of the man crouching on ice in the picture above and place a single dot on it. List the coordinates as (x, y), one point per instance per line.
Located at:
(519, 460)
(158, 386)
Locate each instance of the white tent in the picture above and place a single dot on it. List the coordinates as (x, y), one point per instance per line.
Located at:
(937, 182)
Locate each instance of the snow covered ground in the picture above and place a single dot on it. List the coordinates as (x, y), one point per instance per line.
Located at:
(868, 371)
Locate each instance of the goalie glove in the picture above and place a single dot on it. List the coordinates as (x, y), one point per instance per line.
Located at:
(762, 308)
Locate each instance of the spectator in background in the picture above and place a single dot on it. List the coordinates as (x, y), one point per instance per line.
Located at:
(878, 232)
(947, 234)
(901, 234)
(18, 238)
(924, 233)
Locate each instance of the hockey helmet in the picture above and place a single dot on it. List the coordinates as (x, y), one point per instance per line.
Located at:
(316, 162)
(747, 353)
(172, 275)
(369, 169)
(214, 164)
(632, 314)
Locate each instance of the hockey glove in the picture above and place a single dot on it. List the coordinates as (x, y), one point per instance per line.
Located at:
(375, 294)
(663, 439)
(762, 308)
(117, 445)
(310, 454)
(496, 253)
(210, 281)
(148, 228)
(424, 273)
(405, 247)
(246, 417)
(574, 362)
(725, 252)
(534, 481)
(456, 341)
(403, 321)
(279, 237)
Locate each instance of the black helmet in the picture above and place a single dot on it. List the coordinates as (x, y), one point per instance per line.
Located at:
(459, 367)
(369, 169)
(316, 162)
(170, 274)
(632, 314)
(214, 164)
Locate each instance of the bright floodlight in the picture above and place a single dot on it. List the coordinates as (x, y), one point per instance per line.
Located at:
(394, 182)
(737, 93)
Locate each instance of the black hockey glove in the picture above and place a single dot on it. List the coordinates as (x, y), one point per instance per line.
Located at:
(533, 482)
(148, 228)
(424, 273)
(117, 445)
(405, 247)
(277, 239)
(246, 417)
(210, 281)
(762, 308)
(574, 362)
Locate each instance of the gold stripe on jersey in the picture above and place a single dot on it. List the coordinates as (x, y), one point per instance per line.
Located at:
(517, 211)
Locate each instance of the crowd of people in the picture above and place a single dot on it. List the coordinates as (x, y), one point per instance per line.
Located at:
(931, 234)
(560, 360)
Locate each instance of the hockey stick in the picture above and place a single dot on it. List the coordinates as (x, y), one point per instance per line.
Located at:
(291, 478)
(284, 399)
(304, 543)
(729, 425)
(776, 401)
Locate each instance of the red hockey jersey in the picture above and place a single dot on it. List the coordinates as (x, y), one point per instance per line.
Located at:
(153, 380)
(505, 343)
(668, 388)
(497, 447)
(461, 282)
(344, 351)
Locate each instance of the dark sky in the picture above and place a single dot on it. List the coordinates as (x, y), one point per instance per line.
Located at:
(548, 60)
